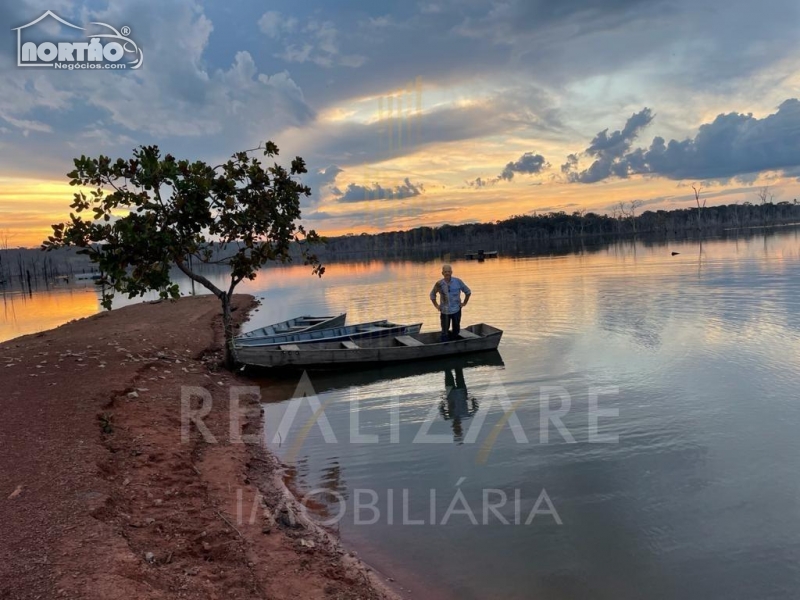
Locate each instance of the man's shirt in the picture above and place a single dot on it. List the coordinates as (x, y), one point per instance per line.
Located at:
(449, 295)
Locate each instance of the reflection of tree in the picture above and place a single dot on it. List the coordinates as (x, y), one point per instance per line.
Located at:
(457, 406)
(332, 479)
(331, 489)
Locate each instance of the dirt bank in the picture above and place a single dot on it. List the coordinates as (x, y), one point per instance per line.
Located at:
(102, 497)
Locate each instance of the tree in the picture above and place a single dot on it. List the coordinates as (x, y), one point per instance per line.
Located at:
(629, 213)
(765, 197)
(162, 212)
(700, 207)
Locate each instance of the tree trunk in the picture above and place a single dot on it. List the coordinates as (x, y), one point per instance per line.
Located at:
(225, 299)
(227, 325)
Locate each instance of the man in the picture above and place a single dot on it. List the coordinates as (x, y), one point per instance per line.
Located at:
(449, 305)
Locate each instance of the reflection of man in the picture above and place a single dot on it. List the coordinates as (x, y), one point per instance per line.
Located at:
(449, 290)
(457, 405)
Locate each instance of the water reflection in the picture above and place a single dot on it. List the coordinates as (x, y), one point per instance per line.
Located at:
(457, 406)
(702, 347)
(330, 487)
(23, 312)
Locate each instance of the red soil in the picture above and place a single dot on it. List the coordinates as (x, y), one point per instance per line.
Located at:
(101, 498)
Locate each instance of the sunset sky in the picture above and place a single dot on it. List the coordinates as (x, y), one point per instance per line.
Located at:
(432, 112)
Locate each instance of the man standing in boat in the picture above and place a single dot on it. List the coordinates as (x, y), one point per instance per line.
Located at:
(449, 304)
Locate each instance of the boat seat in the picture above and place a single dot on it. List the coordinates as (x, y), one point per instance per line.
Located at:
(290, 347)
(468, 335)
(349, 345)
(407, 340)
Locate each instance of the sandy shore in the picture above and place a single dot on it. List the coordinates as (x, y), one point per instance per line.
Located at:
(102, 497)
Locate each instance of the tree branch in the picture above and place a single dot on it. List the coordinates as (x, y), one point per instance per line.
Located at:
(199, 279)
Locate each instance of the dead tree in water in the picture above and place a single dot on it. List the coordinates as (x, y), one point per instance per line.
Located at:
(700, 207)
(765, 197)
(629, 212)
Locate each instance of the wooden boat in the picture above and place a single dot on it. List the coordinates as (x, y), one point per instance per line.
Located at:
(350, 332)
(481, 254)
(386, 349)
(342, 378)
(306, 323)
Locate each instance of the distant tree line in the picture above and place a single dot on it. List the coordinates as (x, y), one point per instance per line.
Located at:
(560, 227)
(32, 265)
(546, 232)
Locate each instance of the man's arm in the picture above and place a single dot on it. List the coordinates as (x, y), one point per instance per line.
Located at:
(467, 293)
(433, 295)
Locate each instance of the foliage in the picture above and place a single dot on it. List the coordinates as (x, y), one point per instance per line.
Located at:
(137, 218)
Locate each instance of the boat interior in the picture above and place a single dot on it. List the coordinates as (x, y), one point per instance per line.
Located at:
(481, 330)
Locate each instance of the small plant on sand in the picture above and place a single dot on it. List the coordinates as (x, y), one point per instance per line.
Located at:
(138, 218)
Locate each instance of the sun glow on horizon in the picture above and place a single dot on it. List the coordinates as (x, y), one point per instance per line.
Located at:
(29, 207)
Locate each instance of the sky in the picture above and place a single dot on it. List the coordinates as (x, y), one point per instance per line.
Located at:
(420, 113)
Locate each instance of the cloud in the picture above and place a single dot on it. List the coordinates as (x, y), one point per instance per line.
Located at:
(733, 145)
(176, 98)
(481, 182)
(274, 25)
(608, 151)
(527, 163)
(571, 164)
(316, 42)
(359, 193)
(508, 22)
(349, 142)
(604, 145)
(320, 181)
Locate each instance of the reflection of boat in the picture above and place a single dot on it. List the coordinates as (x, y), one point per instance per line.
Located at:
(360, 331)
(306, 323)
(325, 381)
(387, 349)
(481, 254)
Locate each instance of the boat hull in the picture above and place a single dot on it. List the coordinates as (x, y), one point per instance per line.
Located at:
(371, 351)
(374, 329)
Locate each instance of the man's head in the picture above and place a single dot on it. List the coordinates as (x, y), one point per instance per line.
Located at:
(447, 271)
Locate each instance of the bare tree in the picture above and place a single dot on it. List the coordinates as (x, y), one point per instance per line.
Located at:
(5, 235)
(634, 205)
(581, 214)
(700, 207)
(628, 211)
(617, 214)
(765, 196)
(735, 212)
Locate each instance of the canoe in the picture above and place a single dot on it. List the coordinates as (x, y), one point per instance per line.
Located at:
(386, 349)
(350, 332)
(306, 323)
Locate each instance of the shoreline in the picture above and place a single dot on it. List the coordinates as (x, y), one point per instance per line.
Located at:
(109, 493)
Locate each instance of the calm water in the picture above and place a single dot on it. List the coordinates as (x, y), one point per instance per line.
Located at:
(698, 498)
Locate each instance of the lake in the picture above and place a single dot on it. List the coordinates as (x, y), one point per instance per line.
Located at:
(635, 435)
